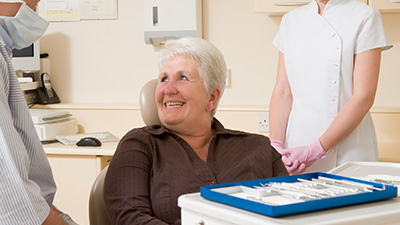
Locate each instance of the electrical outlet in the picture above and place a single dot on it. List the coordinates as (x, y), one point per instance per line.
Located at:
(263, 122)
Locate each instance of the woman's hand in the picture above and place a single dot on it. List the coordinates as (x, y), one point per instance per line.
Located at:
(304, 155)
(293, 167)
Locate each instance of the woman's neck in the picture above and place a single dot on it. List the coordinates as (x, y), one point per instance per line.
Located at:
(200, 143)
(321, 6)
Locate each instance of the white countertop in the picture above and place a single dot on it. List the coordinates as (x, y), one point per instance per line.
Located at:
(381, 212)
(106, 149)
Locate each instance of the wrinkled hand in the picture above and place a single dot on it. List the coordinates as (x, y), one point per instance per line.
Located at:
(306, 155)
(293, 167)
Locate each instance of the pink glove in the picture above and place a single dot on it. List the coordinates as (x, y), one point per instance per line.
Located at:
(292, 167)
(305, 154)
(295, 168)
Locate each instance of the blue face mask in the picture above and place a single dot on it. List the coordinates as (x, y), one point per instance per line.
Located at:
(25, 28)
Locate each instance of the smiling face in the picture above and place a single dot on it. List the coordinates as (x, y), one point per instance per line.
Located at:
(182, 100)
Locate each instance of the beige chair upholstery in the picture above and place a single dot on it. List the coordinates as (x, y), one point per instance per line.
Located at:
(97, 210)
(148, 106)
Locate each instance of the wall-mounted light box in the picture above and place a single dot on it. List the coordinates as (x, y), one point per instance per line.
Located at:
(171, 19)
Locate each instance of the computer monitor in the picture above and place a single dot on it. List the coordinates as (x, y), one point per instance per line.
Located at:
(27, 59)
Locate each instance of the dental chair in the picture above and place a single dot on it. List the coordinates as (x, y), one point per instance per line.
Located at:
(97, 209)
(148, 106)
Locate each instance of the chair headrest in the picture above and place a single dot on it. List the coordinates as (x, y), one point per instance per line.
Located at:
(148, 106)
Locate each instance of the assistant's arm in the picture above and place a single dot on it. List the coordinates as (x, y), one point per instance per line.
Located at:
(365, 81)
(281, 103)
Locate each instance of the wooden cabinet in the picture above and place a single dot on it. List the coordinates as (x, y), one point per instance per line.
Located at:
(389, 6)
(280, 7)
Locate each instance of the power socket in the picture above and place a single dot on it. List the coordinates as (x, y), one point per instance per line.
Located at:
(263, 122)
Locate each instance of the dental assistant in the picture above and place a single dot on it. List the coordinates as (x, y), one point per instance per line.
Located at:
(328, 69)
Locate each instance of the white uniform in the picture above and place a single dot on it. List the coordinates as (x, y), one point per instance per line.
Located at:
(319, 55)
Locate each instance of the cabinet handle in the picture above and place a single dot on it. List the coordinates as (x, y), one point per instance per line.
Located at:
(395, 1)
(291, 3)
(201, 222)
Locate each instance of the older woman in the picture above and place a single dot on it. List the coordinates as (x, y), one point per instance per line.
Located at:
(154, 165)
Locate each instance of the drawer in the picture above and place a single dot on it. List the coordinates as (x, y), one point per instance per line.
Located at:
(190, 217)
(280, 7)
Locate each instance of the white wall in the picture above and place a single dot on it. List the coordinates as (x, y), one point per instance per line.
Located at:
(108, 61)
(98, 67)
(388, 89)
(101, 61)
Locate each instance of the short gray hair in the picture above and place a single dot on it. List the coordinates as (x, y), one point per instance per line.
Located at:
(210, 61)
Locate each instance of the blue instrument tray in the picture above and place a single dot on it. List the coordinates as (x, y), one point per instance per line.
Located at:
(233, 194)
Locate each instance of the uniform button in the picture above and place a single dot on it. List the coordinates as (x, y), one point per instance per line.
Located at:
(333, 99)
(335, 65)
(334, 81)
(211, 182)
(333, 35)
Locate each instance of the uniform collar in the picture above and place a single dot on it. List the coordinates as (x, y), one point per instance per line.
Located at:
(331, 4)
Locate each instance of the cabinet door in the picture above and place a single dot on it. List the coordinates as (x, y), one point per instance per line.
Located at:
(74, 176)
(280, 7)
(386, 5)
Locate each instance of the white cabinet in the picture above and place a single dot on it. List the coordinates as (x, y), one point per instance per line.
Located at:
(280, 7)
(74, 170)
(386, 5)
(74, 176)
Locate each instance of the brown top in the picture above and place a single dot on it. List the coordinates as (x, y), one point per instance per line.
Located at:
(152, 167)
